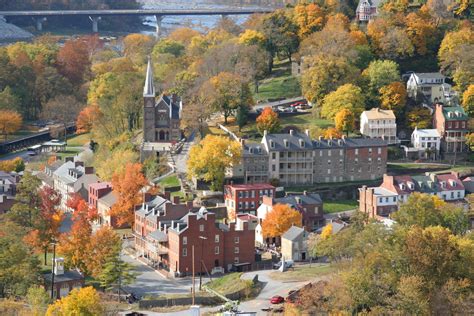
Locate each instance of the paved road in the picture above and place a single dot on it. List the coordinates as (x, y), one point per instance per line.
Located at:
(278, 103)
(182, 158)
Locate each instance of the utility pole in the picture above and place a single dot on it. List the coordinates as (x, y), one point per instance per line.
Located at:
(52, 270)
(200, 262)
(194, 283)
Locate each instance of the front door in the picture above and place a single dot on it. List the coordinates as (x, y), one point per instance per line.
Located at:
(303, 256)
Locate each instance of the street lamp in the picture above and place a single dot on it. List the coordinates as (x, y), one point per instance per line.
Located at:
(200, 269)
(52, 270)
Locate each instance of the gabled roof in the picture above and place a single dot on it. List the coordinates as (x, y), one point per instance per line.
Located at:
(109, 199)
(293, 233)
(457, 113)
(426, 132)
(300, 199)
(429, 75)
(378, 114)
(288, 142)
(253, 149)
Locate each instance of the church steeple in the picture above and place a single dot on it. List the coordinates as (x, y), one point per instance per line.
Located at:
(149, 88)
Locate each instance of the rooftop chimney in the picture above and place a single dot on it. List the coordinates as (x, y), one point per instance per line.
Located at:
(265, 133)
(176, 200)
(242, 142)
(307, 132)
(89, 170)
(320, 138)
(58, 266)
(292, 132)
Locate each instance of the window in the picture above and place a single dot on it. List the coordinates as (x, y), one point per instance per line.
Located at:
(185, 240)
(341, 152)
(357, 151)
(240, 205)
(185, 252)
(379, 151)
(394, 199)
(236, 240)
(459, 194)
(329, 152)
(329, 171)
(236, 260)
(236, 250)
(321, 153)
(273, 155)
(216, 250)
(216, 238)
(201, 228)
(370, 150)
(273, 168)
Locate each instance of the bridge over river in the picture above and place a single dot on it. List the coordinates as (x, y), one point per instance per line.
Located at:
(96, 15)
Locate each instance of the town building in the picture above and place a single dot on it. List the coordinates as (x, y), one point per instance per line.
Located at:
(379, 123)
(426, 143)
(310, 205)
(103, 198)
(216, 245)
(64, 281)
(452, 125)
(367, 10)
(294, 244)
(161, 118)
(8, 184)
(73, 177)
(430, 88)
(294, 159)
(46, 175)
(245, 198)
(381, 201)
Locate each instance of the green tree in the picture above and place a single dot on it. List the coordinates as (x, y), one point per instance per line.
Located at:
(168, 46)
(242, 116)
(38, 300)
(8, 100)
(116, 273)
(381, 73)
(346, 97)
(26, 209)
(419, 117)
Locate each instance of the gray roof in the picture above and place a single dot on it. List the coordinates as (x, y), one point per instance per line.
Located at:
(349, 143)
(293, 233)
(70, 275)
(301, 199)
(109, 199)
(253, 149)
(158, 235)
(10, 32)
(85, 181)
(63, 172)
(288, 142)
(153, 206)
(174, 108)
(429, 75)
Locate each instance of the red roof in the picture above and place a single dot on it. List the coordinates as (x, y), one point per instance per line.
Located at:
(246, 217)
(256, 186)
(448, 178)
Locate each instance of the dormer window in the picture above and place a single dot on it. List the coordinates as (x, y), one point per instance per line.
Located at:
(411, 185)
(452, 183)
(272, 144)
(443, 184)
(302, 144)
(402, 186)
(287, 144)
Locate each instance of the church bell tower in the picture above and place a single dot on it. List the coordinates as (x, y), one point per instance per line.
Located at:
(149, 95)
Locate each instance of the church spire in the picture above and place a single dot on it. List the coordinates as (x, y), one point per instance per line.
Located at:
(149, 89)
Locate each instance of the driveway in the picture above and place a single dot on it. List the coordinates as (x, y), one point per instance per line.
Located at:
(182, 158)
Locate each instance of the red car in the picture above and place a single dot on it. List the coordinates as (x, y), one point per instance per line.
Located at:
(277, 299)
(296, 104)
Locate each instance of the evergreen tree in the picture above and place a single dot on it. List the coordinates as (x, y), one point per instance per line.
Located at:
(116, 273)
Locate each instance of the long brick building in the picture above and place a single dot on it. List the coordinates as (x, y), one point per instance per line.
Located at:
(296, 159)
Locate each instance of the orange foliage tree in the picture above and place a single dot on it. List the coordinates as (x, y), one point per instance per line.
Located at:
(73, 60)
(86, 118)
(15, 164)
(268, 121)
(46, 227)
(104, 244)
(393, 97)
(309, 17)
(10, 122)
(127, 185)
(331, 132)
(280, 219)
(74, 244)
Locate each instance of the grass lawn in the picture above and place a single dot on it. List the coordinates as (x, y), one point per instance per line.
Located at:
(280, 84)
(409, 165)
(171, 181)
(49, 261)
(339, 206)
(69, 152)
(79, 140)
(229, 283)
(303, 273)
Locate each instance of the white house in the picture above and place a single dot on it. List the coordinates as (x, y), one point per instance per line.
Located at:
(431, 86)
(378, 123)
(367, 10)
(427, 142)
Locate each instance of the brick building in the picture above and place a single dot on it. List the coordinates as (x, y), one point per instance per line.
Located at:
(383, 200)
(217, 245)
(102, 198)
(245, 198)
(64, 281)
(295, 159)
(452, 124)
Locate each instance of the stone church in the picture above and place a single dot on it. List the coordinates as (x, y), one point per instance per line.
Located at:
(161, 116)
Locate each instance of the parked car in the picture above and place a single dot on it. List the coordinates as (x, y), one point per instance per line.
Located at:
(299, 103)
(282, 108)
(303, 107)
(277, 299)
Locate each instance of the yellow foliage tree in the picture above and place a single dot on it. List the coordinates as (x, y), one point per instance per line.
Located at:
(15, 164)
(252, 37)
(10, 122)
(209, 159)
(419, 117)
(331, 132)
(84, 302)
(309, 18)
(348, 97)
(280, 219)
(393, 97)
(268, 121)
(137, 47)
(345, 121)
(468, 100)
(326, 232)
(183, 35)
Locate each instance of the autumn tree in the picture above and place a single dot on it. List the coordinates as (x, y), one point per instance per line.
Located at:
(268, 121)
(103, 244)
(86, 118)
(227, 93)
(327, 231)
(46, 227)
(127, 185)
(279, 220)
(381, 73)
(393, 97)
(345, 121)
(168, 46)
(468, 100)
(419, 117)
(330, 133)
(10, 122)
(347, 97)
(63, 109)
(183, 35)
(73, 61)
(9, 100)
(325, 74)
(81, 301)
(73, 245)
(137, 47)
(309, 18)
(16, 164)
(197, 113)
(252, 37)
(209, 159)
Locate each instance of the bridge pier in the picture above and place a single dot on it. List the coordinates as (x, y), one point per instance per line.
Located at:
(95, 23)
(159, 19)
(224, 16)
(39, 23)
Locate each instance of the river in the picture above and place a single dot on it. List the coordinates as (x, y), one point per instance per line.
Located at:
(200, 23)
